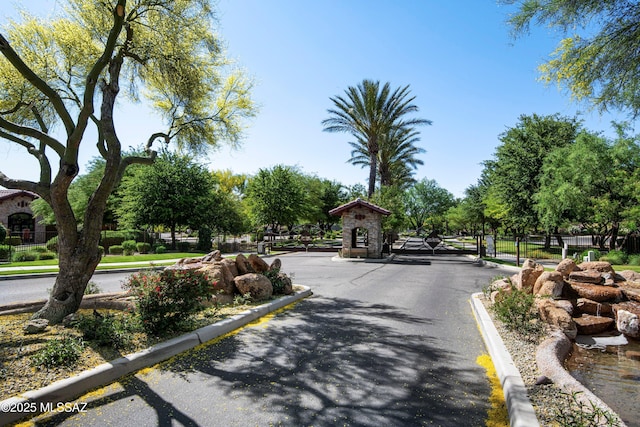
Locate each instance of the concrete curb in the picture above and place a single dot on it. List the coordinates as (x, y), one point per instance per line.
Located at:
(521, 412)
(65, 390)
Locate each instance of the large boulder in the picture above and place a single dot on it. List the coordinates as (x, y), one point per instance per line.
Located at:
(630, 275)
(601, 266)
(587, 276)
(256, 285)
(220, 276)
(597, 293)
(556, 317)
(258, 264)
(243, 265)
(595, 308)
(231, 265)
(631, 290)
(528, 275)
(628, 318)
(566, 267)
(276, 265)
(588, 324)
(549, 283)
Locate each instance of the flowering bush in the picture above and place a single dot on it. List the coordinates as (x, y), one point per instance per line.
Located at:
(166, 298)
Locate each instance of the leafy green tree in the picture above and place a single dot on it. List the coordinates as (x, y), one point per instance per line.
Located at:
(467, 215)
(172, 192)
(276, 197)
(515, 173)
(427, 204)
(593, 182)
(71, 70)
(598, 59)
(323, 195)
(392, 199)
(369, 112)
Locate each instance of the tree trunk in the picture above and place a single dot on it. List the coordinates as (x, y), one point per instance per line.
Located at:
(76, 269)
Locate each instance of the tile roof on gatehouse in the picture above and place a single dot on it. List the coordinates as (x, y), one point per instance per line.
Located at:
(358, 202)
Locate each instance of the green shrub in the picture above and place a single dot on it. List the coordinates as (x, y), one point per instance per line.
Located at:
(516, 310)
(59, 352)
(109, 329)
(167, 298)
(278, 280)
(3, 233)
(615, 257)
(129, 245)
(24, 256)
(101, 251)
(632, 260)
(39, 249)
(13, 240)
(160, 249)
(143, 248)
(52, 244)
(46, 255)
(5, 252)
(204, 239)
(110, 238)
(183, 246)
(116, 250)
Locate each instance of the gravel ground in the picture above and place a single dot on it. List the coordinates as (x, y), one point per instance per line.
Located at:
(552, 406)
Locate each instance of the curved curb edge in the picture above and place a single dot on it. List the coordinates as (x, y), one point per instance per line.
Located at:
(69, 388)
(521, 412)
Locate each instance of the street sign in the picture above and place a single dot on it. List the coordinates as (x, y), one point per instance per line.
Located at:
(433, 240)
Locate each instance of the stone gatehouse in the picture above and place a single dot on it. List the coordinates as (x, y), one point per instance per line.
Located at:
(361, 229)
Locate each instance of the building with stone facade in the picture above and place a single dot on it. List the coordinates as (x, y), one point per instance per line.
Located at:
(17, 217)
(361, 229)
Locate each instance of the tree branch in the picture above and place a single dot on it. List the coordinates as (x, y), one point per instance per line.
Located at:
(38, 83)
(33, 133)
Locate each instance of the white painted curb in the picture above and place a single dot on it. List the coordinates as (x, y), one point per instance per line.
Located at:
(521, 412)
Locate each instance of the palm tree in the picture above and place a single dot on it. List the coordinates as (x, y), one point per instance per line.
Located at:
(396, 158)
(368, 113)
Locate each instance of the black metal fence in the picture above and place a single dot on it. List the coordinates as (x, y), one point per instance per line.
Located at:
(553, 247)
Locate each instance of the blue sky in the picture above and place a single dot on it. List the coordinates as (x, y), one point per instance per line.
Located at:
(468, 76)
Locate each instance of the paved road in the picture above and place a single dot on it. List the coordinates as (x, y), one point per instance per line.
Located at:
(377, 345)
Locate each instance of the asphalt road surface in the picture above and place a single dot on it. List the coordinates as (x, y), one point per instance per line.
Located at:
(376, 345)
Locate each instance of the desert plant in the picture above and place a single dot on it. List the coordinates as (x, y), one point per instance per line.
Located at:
(166, 298)
(278, 280)
(580, 414)
(242, 299)
(114, 330)
(64, 351)
(515, 308)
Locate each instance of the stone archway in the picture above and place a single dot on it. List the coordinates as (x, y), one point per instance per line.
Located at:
(361, 215)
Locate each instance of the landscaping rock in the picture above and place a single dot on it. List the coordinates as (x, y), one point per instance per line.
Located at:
(220, 275)
(587, 276)
(631, 290)
(566, 267)
(243, 265)
(588, 324)
(597, 293)
(36, 326)
(259, 265)
(528, 275)
(595, 308)
(276, 265)
(557, 317)
(257, 285)
(549, 283)
(601, 266)
(628, 318)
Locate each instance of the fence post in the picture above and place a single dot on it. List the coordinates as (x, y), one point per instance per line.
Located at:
(517, 251)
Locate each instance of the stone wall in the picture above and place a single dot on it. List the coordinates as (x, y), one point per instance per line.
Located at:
(21, 203)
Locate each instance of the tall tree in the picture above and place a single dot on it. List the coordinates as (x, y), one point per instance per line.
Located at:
(598, 59)
(276, 197)
(603, 196)
(427, 204)
(70, 71)
(369, 112)
(172, 192)
(397, 156)
(515, 173)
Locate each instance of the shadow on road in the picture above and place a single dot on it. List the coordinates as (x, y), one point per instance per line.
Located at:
(325, 362)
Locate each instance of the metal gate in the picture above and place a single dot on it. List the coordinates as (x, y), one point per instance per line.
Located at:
(432, 245)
